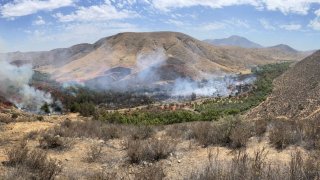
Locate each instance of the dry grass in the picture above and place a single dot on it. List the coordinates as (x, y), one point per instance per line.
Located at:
(246, 167)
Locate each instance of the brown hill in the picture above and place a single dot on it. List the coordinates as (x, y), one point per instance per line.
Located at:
(167, 54)
(296, 93)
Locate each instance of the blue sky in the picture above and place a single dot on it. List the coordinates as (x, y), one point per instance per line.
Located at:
(32, 25)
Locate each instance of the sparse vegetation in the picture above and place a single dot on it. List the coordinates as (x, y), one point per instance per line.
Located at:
(33, 163)
(257, 166)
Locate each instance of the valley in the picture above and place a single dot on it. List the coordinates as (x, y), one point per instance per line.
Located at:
(160, 105)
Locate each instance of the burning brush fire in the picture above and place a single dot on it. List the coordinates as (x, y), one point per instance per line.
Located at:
(15, 88)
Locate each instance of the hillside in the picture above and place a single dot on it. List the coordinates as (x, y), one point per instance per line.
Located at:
(234, 41)
(296, 93)
(127, 56)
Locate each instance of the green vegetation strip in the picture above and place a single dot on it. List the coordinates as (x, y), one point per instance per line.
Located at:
(207, 111)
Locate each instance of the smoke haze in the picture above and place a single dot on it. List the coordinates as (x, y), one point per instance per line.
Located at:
(14, 86)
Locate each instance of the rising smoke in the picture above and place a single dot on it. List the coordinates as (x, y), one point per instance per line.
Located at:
(147, 77)
(14, 86)
(213, 86)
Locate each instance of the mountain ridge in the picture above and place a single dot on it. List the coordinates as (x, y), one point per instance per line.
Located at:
(183, 56)
(234, 40)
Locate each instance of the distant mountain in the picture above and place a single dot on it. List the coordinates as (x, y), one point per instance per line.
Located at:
(234, 41)
(284, 48)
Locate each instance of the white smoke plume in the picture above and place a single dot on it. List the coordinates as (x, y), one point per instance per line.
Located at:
(213, 86)
(148, 76)
(148, 63)
(15, 88)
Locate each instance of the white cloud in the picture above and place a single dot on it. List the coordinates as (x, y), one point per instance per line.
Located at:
(39, 21)
(237, 23)
(213, 26)
(175, 22)
(291, 27)
(285, 6)
(166, 5)
(68, 34)
(26, 7)
(315, 23)
(224, 24)
(289, 6)
(105, 11)
(266, 24)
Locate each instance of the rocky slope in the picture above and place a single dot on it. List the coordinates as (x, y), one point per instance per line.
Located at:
(296, 93)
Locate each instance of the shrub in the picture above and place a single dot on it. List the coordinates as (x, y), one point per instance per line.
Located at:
(94, 152)
(35, 163)
(260, 127)
(40, 118)
(215, 132)
(31, 135)
(240, 134)
(141, 132)
(17, 154)
(149, 150)
(85, 109)
(283, 134)
(177, 131)
(311, 133)
(51, 141)
(89, 129)
(45, 108)
(205, 133)
(14, 115)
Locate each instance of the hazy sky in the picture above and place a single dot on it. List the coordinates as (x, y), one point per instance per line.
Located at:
(45, 24)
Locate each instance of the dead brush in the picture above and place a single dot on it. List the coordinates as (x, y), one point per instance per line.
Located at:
(206, 133)
(179, 131)
(154, 172)
(88, 129)
(35, 163)
(260, 127)
(17, 154)
(51, 141)
(283, 134)
(310, 130)
(240, 134)
(94, 152)
(304, 168)
(228, 131)
(149, 150)
(141, 132)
